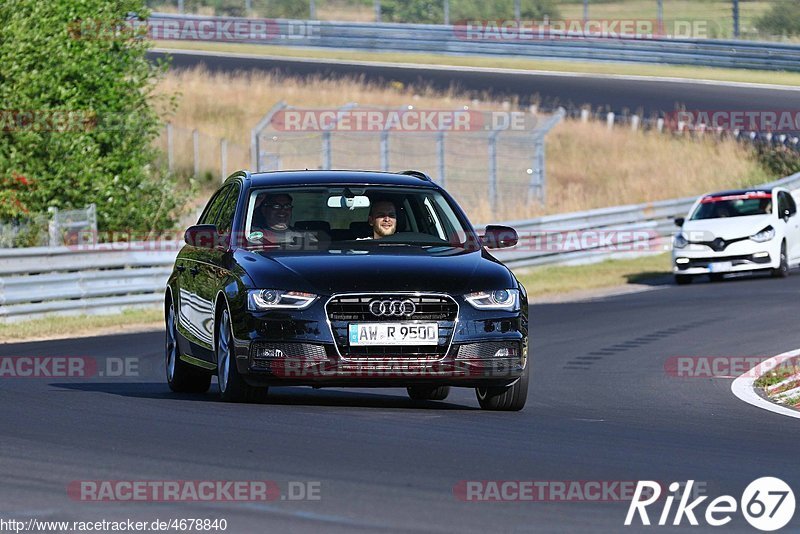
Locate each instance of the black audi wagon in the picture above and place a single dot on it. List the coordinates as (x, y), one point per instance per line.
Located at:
(344, 279)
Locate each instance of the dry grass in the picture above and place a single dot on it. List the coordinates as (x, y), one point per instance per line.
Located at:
(588, 165)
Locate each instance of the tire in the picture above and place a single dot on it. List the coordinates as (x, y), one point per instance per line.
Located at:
(683, 279)
(182, 377)
(783, 269)
(508, 399)
(232, 387)
(431, 393)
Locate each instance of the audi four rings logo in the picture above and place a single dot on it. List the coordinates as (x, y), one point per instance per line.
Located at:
(395, 308)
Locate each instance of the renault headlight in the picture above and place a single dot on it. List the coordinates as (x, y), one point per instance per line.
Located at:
(764, 235)
(501, 299)
(680, 241)
(278, 299)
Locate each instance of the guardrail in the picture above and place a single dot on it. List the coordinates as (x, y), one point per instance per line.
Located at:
(454, 40)
(43, 280)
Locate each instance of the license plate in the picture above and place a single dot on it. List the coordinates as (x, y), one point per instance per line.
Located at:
(394, 334)
(720, 267)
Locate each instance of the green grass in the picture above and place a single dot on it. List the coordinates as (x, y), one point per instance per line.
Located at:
(545, 281)
(694, 73)
(776, 376)
(79, 325)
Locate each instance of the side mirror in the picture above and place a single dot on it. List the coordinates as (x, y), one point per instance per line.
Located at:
(206, 236)
(497, 236)
(679, 222)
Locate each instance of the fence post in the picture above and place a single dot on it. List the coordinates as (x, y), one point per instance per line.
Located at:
(493, 171)
(196, 147)
(223, 157)
(384, 150)
(634, 122)
(584, 115)
(326, 150)
(377, 10)
(610, 120)
(180, 7)
(52, 227)
(446, 8)
(170, 148)
(440, 157)
(660, 125)
(312, 10)
(255, 135)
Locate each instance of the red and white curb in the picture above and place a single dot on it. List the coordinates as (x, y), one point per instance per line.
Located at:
(743, 387)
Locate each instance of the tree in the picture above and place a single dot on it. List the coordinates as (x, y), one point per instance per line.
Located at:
(78, 118)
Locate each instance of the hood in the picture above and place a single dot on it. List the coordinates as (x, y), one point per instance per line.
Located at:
(378, 269)
(726, 227)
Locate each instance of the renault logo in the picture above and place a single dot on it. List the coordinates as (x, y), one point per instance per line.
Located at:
(392, 308)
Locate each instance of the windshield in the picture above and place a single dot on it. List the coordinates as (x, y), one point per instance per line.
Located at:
(317, 217)
(738, 205)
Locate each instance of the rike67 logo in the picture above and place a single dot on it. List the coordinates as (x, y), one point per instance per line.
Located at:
(767, 504)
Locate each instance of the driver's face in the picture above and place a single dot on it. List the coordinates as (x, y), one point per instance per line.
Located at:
(278, 212)
(383, 219)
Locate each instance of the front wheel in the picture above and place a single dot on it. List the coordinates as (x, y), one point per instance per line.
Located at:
(232, 387)
(783, 269)
(509, 399)
(181, 376)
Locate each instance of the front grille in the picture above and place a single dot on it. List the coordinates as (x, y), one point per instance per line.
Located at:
(743, 259)
(345, 309)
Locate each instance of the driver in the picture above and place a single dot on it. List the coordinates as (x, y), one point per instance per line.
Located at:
(383, 218)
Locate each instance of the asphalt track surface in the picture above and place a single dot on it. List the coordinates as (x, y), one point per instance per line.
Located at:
(601, 408)
(646, 97)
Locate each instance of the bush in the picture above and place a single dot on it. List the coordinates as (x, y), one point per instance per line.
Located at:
(85, 81)
(778, 160)
(783, 18)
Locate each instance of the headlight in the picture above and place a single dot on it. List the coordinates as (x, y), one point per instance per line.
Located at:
(764, 235)
(679, 241)
(277, 299)
(502, 299)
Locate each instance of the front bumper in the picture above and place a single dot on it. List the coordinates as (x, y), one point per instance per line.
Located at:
(469, 365)
(742, 256)
(479, 349)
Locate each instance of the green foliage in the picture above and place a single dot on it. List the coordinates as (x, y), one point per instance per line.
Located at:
(432, 11)
(83, 124)
(779, 160)
(783, 18)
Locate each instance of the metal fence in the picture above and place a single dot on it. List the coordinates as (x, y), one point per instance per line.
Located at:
(451, 40)
(103, 279)
(487, 164)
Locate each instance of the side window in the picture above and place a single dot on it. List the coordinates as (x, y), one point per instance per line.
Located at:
(210, 213)
(228, 209)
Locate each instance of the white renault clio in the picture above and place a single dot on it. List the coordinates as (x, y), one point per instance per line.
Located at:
(733, 231)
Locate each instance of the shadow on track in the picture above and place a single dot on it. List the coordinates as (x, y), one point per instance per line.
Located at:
(282, 396)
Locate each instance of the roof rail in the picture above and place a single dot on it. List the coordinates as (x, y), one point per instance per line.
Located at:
(418, 174)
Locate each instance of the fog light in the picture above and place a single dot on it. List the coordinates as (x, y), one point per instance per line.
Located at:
(267, 353)
(506, 353)
(682, 261)
(761, 254)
